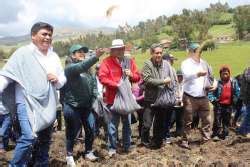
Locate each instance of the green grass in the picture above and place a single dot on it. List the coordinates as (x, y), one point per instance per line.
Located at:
(164, 36)
(226, 16)
(236, 54)
(222, 30)
(6, 48)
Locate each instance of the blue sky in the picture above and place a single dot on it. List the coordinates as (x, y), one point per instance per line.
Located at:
(17, 16)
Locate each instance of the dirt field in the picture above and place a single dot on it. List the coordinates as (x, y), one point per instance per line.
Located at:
(232, 152)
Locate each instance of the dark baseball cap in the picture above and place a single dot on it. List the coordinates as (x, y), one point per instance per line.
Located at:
(76, 47)
(168, 57)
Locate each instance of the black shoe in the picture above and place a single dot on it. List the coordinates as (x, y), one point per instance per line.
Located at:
(132, 143)
(177, 134)
(154, 146)
(224, 137)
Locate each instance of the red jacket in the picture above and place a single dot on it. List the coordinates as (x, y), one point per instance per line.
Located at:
(110, 73)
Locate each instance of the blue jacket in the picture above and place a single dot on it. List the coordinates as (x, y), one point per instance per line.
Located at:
(215, 95)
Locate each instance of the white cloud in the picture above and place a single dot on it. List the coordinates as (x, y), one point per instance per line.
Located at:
(63, 13)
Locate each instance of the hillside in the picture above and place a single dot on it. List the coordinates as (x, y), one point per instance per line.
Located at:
(222, 30)
(59, 35)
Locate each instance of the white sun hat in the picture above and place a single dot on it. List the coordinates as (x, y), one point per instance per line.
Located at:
(117, 43)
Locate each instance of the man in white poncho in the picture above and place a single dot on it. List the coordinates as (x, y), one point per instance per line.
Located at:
(28, 82)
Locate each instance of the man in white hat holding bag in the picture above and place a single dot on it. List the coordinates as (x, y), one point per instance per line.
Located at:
(110, 74)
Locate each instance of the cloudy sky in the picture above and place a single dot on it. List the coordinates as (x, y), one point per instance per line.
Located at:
(17, 16)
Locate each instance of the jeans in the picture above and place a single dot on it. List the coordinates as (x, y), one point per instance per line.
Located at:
(74, 119)
(5, 127)
(245, 126)
(113, 130)
(26, 142)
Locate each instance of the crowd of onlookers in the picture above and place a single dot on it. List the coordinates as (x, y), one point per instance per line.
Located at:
(95, 95)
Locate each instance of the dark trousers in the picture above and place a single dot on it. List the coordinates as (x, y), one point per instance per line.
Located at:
(159, 126)
(40, 151)
(178, 120)
(222, 117)
(59, 119)
(140, 120)
(167, 123)
(159, 117)
(238, 111)
(101, 122)
(148, 116)
(75, 118)
(140, 117)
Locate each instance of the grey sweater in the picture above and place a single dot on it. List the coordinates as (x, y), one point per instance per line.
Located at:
(153, 76)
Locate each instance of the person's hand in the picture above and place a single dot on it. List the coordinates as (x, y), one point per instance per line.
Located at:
(211, 88)
(52, 78)
(128, 72)
(167, 81)
(201, 73)
(214, 102)
(99, 52)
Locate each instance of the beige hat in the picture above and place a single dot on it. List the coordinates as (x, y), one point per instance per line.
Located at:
(117, 43)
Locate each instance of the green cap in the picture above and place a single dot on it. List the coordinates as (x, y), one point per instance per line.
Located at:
(193, 46)
(179, 73)
(76, 47)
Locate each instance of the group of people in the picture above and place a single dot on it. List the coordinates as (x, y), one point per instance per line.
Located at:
(32, 77)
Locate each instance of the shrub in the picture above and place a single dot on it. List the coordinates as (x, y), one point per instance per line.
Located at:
(208, 44)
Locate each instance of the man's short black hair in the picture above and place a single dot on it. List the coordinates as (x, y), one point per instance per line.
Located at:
(40, 25)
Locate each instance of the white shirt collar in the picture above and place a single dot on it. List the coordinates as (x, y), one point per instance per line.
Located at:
(35, 48)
